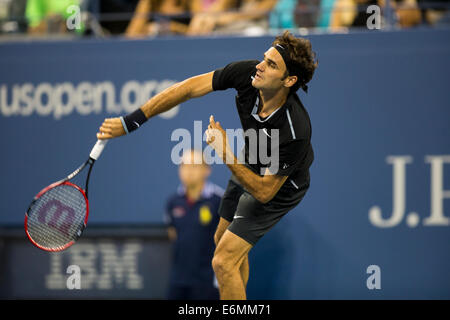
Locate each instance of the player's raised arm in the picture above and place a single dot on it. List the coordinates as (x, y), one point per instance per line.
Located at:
(180, 92)
(262, 188)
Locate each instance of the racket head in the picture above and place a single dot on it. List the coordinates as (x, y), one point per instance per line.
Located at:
(57, 216)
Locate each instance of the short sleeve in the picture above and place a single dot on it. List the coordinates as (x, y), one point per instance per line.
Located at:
(289, 158)
(234, 75)
(217, 200)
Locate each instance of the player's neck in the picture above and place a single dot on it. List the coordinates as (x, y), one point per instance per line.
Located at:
(193, 192)
(271, 101)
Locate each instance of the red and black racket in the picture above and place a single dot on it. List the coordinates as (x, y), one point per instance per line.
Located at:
(58, 214)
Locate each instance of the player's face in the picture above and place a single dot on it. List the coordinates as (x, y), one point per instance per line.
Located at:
(270, 72)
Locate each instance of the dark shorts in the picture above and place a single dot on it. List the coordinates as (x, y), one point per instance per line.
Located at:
(250, 219)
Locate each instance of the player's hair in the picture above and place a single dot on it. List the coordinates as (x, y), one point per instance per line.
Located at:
(300, 51)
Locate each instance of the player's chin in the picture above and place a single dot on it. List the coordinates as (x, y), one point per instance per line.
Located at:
(256, 83)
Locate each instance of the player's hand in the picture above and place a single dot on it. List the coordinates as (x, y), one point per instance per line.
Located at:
(110, 128)
(216, 137)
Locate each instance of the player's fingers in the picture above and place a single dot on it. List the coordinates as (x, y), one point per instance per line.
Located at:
(216, 133)
(214, 126)
(208, 135)
(112, 122)
(105, 129)
(103, 136)
(118, 131)
(210, 139)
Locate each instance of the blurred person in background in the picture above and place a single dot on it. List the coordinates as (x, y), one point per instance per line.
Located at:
(435, 12)
(12, 16)
(116, 15)
(350, 13)
(49, 16)
(205, 13)
(353, 13)
(307, 13)
(325, 10)
(199, 17)
(407, 11)
(249, 17)
(191, 17)
(173, 17)
(289, 14)
(192, 215)
(283, 15)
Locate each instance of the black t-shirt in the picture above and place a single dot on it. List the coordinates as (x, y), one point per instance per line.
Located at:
(292, 121)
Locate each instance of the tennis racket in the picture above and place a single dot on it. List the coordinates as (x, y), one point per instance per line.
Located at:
(58, 214)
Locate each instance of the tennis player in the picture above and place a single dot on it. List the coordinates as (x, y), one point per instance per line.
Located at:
(257, 195)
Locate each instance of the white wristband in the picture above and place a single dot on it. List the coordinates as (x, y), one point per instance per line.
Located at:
(124, 125)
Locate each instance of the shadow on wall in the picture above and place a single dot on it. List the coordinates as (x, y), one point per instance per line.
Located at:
(292, 261)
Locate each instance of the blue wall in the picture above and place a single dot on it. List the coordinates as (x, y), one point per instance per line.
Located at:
(376, 99)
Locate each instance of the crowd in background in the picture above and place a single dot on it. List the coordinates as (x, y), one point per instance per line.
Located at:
(150, 18)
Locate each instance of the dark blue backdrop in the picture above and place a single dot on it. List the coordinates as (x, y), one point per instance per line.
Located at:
(374, 96)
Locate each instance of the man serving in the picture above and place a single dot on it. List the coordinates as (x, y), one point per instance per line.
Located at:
(258, 194)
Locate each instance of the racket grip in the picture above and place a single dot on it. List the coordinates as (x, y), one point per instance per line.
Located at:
(98, 149)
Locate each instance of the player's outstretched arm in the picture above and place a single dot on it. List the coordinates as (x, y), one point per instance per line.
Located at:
(180, 92)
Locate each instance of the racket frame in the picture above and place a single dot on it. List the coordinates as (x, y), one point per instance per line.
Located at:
(93, 156)
(54, 185)
(64, 181)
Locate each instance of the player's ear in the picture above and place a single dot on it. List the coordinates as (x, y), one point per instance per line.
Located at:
(290, 81)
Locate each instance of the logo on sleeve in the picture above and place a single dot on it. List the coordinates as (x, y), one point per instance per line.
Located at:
(178, 212)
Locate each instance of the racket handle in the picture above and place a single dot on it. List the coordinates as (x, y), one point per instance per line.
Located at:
(97, 149)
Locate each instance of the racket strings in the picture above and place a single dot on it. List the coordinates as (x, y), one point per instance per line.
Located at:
(57, 217)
